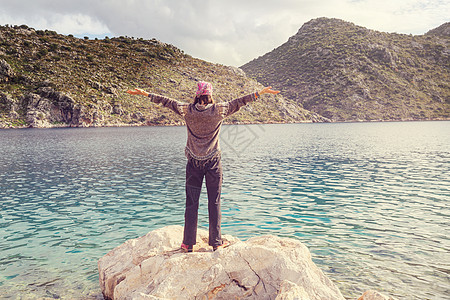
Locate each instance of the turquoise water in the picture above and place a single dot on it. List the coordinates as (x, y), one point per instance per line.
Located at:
(370, 200)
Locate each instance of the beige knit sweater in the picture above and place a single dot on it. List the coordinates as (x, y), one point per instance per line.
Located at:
(203, 123)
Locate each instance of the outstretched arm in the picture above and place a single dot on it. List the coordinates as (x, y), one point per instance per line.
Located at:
(177, 107)
(236, 104)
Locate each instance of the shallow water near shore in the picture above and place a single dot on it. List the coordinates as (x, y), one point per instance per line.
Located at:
(370, 200)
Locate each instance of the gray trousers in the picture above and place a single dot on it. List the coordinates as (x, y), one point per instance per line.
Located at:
(196, 170)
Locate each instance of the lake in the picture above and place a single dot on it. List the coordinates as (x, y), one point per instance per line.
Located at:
(370, 200)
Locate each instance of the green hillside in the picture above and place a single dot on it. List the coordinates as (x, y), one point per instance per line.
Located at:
(349, 73)
(48, 79)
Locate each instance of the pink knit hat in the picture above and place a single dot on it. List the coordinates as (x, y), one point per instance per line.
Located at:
(204, 88)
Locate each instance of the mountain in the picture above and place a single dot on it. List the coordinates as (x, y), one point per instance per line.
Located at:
(48, 79)
(442, 31)
(346, 72)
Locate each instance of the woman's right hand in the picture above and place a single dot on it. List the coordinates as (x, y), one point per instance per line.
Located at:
(138, 92)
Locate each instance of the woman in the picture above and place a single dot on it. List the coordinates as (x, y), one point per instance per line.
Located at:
(203, 121)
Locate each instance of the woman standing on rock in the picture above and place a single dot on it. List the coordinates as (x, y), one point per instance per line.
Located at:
(203, 121)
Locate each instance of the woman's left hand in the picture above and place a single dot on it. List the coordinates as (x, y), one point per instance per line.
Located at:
(268, 90)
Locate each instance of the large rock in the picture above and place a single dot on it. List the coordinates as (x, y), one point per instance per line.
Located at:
(50, 108)
(264, 267)
(7, 103)
(6, 72)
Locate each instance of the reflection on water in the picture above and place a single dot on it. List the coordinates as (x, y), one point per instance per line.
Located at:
(369, 200)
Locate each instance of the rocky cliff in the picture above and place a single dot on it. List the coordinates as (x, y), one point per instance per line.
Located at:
(346, 72)
(48, 79)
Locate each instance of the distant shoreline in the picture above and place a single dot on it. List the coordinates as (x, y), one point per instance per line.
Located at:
(225, 123)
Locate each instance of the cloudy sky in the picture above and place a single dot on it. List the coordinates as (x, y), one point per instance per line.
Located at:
(230, 32)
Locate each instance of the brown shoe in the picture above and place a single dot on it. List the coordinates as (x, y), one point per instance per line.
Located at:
(224, 245)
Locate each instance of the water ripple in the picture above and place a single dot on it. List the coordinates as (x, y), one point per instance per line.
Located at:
(370, 201)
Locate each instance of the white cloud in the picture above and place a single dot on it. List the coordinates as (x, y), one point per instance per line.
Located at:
(76, 24)
(401, 16)
(52, 15)
(229, 32)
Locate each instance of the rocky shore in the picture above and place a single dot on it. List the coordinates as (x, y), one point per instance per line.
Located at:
(263, 267)
(52, 80)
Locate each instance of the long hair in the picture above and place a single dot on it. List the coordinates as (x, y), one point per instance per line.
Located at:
(203, 99)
